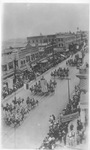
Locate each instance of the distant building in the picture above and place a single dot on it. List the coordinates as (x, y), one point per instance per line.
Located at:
(61, 40)
(64, 39)
(40, 40)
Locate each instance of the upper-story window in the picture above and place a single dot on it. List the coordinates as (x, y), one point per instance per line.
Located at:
(4, 67)
(44, 41)
(22, 62)
(10, 64)
(32, 57)
(16, 63)
(36, 41)
(27, 58)
(61, 39)
(36, 55)
(40, 41)
(62, 45)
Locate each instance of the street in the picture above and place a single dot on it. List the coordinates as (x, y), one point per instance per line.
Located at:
(44, 76)
(35, 127)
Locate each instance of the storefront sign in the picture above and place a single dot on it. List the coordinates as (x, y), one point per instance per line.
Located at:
(69, 117)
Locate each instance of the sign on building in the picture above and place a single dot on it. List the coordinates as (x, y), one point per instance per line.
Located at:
(69, 117)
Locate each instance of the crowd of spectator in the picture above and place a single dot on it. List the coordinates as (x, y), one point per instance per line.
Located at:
(59, 131)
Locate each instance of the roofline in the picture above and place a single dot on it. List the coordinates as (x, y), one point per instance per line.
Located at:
(41, 36)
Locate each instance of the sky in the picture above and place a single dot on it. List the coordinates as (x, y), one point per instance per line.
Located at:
(20, 20)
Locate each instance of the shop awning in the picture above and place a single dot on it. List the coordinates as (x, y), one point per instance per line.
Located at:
(63, 55)
(41, 50)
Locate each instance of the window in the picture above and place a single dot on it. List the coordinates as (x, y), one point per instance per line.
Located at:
(36, 41)
(16, 63)
(22, 62)
(27, 58)
(36, 55)
(61, 39)
(32, 57)
(4, 67)
(44, 41)
(10, 64)
(40, 41)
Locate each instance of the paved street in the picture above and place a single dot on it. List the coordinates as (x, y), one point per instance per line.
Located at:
(35, 127)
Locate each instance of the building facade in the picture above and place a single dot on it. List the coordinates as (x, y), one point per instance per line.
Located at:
(63, 40)
(40, 40)
(18, 58)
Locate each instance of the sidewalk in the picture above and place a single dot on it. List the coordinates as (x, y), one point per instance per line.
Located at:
(78, 147)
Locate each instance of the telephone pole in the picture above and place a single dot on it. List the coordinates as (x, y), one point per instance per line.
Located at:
(53, 45)
(68, 88)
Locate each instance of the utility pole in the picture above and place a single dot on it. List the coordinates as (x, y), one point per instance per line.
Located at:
(68, 88)
(53, 44)
(15, 52)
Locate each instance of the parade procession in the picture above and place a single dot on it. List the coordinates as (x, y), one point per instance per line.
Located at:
(45, 86)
